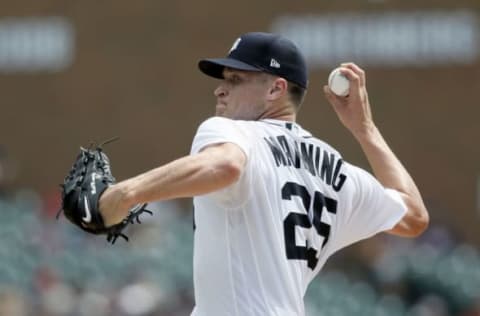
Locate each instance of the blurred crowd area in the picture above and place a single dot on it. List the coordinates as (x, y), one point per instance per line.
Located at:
(48, 267)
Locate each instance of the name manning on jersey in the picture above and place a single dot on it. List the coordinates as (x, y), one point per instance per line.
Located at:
(318, 162)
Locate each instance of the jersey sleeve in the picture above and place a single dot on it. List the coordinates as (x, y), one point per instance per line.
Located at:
(373, 208)
(218, 130)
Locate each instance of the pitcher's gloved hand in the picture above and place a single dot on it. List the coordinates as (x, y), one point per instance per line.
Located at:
(89, 177)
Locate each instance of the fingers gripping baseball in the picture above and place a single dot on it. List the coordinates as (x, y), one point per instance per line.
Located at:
(353, 110)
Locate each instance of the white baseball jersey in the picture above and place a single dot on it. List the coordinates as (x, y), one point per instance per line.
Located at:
(260, 241)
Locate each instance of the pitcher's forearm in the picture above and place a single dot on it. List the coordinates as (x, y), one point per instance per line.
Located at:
(212, 169)
(184, 177)
(392, 174)
(387, 168)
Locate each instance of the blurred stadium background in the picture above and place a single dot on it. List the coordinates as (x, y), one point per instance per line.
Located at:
(72, 72)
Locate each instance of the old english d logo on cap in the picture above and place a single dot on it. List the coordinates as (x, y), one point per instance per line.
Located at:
(235, 45)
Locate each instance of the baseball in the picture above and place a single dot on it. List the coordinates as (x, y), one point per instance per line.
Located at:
(338, 83)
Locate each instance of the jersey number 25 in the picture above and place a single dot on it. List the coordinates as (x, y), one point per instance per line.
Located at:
(308, 253)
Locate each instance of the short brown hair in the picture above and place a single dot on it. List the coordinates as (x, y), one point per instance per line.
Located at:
(297, 94)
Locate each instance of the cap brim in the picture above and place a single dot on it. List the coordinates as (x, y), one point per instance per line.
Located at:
(213, 67)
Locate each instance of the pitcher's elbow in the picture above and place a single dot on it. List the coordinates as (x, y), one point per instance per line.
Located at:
(233, 170)
(422, 222)
(228, 171)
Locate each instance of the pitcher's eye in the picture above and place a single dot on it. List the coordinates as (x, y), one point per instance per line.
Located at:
(234, 79)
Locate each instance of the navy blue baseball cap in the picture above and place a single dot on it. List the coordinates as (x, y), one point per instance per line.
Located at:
(263, 52)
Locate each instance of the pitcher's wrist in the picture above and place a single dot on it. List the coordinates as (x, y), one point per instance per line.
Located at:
(366, 132)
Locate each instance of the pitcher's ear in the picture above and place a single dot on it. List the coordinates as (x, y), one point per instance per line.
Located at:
(277, 89)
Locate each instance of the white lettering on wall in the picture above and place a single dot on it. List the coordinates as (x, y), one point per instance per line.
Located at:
(36, 44)
(385, 39)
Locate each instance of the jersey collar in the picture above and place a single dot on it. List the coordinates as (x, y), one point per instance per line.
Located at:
(289, 125)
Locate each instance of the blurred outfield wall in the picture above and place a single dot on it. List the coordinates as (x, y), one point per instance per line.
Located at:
(128, 69)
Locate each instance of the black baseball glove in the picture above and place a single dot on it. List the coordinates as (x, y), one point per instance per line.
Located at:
(89, 177)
